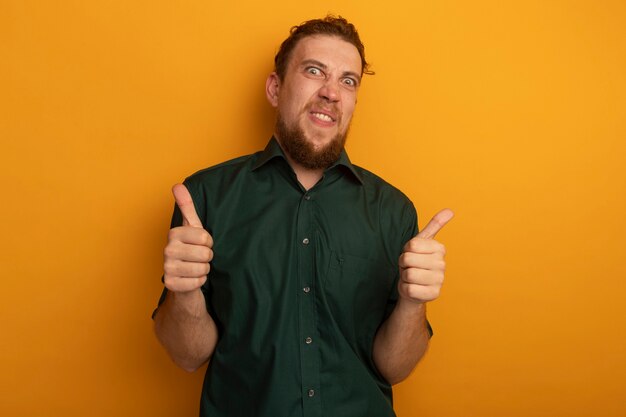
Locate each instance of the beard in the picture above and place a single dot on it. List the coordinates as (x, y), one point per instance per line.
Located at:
(296, 144)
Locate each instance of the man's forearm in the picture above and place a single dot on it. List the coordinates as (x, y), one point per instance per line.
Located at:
(185, 329)
(401, 341)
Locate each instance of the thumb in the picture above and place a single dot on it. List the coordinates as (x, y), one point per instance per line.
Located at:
(436, 224)
(185, 204)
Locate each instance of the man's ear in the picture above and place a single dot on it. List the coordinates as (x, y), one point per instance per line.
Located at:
(272, 86)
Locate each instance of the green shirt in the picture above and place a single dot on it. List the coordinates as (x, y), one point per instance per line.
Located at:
(299, 284)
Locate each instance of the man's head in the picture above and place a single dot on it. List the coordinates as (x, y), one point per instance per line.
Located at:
(314, 87)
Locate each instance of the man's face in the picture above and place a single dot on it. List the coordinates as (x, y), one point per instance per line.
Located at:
(316, 99)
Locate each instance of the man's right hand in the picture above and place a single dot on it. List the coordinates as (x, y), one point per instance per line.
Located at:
(189, 248)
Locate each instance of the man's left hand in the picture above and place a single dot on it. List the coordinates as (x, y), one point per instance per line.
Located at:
(422, 263)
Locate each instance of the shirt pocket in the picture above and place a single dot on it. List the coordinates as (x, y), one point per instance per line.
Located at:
(357, 290)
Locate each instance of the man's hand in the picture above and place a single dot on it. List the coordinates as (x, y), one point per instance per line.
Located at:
(189, 248)
(422, 262)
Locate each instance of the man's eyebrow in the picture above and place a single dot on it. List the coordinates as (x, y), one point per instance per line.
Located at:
(324, 67)
(313, 62)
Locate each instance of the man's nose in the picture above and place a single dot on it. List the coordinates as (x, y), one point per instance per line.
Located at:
(329, 91)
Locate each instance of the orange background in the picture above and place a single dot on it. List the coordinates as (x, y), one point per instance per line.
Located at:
(511, 113)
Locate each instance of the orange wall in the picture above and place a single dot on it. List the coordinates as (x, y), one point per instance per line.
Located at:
(511, 113)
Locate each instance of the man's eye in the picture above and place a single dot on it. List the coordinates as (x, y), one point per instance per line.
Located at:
(314, 71)
(350, 82)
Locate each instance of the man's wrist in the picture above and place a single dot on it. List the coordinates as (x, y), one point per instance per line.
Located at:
(409, 306)
(187, 301)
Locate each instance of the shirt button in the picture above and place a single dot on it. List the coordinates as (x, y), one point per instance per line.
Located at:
(305, 240)
(307, 197)
(306, 289)
(308, 340)
(311, 392)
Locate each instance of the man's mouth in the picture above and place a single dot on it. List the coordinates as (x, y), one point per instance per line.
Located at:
(323, 117)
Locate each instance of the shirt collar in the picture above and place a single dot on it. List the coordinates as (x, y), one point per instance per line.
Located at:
(273, 150)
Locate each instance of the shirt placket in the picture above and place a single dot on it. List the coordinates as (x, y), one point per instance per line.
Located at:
(309, 339)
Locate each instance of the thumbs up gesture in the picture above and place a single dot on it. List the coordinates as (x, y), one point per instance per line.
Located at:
(189, 248)
(422, 262)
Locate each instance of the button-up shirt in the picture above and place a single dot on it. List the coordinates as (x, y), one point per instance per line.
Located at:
(299, 284)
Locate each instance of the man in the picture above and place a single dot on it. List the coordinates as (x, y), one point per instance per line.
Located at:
(315, 301)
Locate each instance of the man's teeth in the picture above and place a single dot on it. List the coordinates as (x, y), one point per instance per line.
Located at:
(323, 117)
